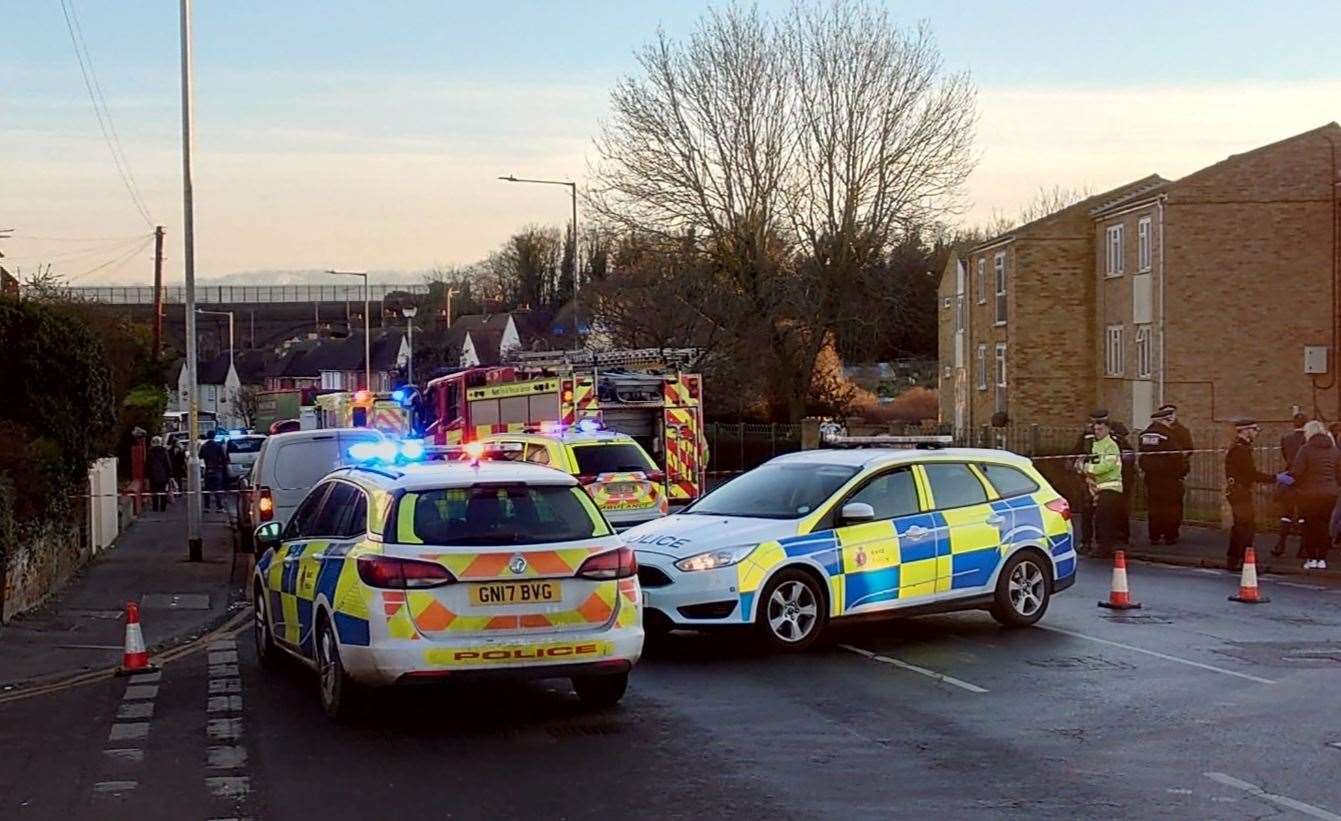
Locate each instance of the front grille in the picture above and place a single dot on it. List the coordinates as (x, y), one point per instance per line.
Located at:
(652, 577)
(711, 610)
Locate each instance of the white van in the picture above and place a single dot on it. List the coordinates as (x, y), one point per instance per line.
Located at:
(287, 467)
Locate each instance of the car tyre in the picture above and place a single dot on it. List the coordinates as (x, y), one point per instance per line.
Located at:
(267, 655)
(1023, 590)
(601, 692)
(792, 612)
(337, 691)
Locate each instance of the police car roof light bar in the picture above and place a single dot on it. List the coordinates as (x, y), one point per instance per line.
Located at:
(889, 441)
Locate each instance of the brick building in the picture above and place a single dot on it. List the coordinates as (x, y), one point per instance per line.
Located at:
(1204, 291)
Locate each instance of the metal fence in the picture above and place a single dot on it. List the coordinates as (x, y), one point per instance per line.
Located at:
(737, 446)
(242, 294)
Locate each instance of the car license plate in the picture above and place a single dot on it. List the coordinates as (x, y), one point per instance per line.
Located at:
(621, 488)
(493, 594)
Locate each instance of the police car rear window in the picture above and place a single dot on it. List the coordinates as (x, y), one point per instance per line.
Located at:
(787, 490)
(492, 514)
(245, 444)
(616, 457)
(1007, 480)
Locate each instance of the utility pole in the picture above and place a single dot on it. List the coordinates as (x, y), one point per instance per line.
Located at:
(158, 292)
(367, 324)
(193, 541)
(572, 189)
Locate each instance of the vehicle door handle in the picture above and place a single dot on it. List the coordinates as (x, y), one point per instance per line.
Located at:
(916, 532)
(995, 519)
(292, 559)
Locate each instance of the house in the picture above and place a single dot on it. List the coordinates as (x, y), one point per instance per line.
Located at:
(1014, 321)
(338, 363)
(219, 390)
(1217, 292)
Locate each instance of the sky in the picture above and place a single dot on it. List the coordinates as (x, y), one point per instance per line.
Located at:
(369, 136)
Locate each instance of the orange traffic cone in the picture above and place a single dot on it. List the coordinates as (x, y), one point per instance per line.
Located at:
(1119, 598)
(135, 659)
(1248, 592)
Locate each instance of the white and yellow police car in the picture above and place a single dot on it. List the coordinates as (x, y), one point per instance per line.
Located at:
(390, 574)
(827, 534)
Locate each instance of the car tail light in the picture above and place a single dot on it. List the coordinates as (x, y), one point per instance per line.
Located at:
(613, 564)
(655, 475)
(265, 505)
(1060, 507)
(402, 574)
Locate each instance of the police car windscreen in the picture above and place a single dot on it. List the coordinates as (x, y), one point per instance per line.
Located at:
(593, 460)
(779, 491)
(498, 514)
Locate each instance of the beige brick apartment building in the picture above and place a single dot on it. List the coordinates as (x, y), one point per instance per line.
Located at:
(1206, 291)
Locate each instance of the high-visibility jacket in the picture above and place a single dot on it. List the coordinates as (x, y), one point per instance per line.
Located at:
(1106, 470)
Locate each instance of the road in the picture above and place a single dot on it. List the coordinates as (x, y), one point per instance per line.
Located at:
(1193, 707)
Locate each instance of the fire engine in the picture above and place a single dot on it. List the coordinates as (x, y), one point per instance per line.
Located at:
(646, 394)
(391, 413)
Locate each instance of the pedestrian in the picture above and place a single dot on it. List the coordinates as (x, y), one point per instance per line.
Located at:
(1162, 465)
(1286, 498)
(1317, 476)
(1103, 475)
(215, 457)
(1182, 437)
(1083, 503)
(1241, 474)
(158, 470)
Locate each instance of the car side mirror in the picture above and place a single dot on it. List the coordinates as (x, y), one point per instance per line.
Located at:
(267, 535)
(857, 512)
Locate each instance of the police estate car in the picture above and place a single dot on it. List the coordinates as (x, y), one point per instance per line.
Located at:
(826, 534)
(393, 574)
(626, 484)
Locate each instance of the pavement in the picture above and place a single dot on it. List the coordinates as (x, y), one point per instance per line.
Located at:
(1194, 707)
(82, 627)
(1206, 546)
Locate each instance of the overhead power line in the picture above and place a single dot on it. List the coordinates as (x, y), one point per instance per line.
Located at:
(115, 262)
(100, 109)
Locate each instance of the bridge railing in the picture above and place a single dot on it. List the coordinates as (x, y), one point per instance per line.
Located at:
(241, 294)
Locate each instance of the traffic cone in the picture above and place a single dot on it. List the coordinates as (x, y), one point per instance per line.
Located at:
(135, 659)
(1119, 598)
(1248, 591)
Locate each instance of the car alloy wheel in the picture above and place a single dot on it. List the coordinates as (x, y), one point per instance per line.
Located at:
(265, 642)
(792, 611)
(1027, 588)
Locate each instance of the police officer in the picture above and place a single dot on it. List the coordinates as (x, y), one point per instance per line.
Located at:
(1241, 474)
(1182, 437)
(1162, 464)
(1102, 468)
(1122, 435)
(1083, 503)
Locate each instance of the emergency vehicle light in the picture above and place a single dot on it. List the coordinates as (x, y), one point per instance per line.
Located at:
(401, 396)
(590, 425)
(373, 452)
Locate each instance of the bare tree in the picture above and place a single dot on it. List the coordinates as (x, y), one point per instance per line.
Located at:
(792, 155)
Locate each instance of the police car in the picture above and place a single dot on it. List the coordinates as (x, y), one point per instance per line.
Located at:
(389, 574)
(827, 534)
(626, 484)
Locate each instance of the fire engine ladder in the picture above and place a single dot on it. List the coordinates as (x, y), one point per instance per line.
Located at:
(640, 358)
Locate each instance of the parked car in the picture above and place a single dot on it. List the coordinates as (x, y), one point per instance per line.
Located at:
(287, 466)
(243, 448)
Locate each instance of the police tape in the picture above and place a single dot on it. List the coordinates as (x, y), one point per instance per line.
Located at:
(147, 494)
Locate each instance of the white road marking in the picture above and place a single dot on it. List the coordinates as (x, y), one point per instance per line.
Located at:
(223, 657)
(227, 758)
(125, 754)
(1297, 584)
(1284, 801)
(224, 729)
(147, 678)
(223, 644)
(220, 686)
(1155, 653)
(115, 786)
(140, 692)
(135, 709)
(223, 670)
(229, 786)
(128, 730)
(903, 665)
(224, 704)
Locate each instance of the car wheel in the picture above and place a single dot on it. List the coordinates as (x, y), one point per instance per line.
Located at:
(792, 611)
(1022, 590)
(266, 654)
(337, 691)
(600, 692)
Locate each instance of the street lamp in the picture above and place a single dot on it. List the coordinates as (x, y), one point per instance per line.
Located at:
(408, 311)
(367, 325)
(572, 187)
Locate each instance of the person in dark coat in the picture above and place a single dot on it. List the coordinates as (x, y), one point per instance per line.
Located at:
(177, 454)
(1317, 477)
(1286, 499)
(1083, 502)
(1241, 474)
(158, 470)
(1162, 464)
(215, 457)
(1183, 438)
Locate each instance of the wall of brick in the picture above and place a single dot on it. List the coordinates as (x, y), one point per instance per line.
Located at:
(1115, 307)
(945, 323)
(1052, 381)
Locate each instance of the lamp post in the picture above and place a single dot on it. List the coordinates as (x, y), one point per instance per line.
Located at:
(367, 326)
(408, 312)
(572, 188)
(451, 292)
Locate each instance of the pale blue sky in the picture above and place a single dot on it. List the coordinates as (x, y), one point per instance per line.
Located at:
(369, 134)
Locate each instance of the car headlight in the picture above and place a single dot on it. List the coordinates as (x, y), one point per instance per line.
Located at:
(713, 559)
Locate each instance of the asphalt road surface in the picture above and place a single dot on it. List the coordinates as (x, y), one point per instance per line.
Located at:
(1193, 707)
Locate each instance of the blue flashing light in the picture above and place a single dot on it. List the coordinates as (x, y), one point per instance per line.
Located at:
(590, 425)
(384, 452)
(239, 432)
(412, 450)
(400, 395)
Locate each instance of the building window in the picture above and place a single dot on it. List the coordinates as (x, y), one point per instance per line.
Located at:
(1113, 353)
(331, 381)
(1145, 349)
(211, 394)
(999, 264)
(947, 303)
(959, 314)
(1114, 246)
(982, 367)
(1001, 364)
(1143, 244)
(947, 371)
(982, 281)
